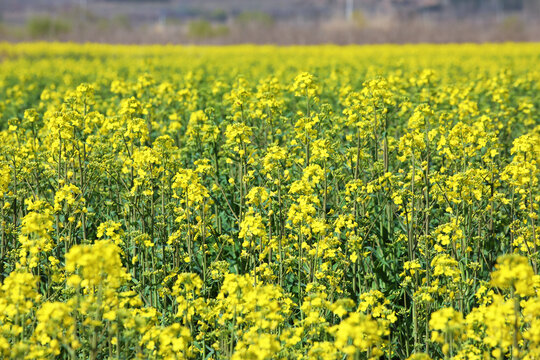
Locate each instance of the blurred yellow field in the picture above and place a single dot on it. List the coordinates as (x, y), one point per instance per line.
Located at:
(260, 202)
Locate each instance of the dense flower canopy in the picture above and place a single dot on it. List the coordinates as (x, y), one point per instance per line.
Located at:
(269, 203)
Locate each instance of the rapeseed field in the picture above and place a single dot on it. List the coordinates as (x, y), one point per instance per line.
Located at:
(245, 202)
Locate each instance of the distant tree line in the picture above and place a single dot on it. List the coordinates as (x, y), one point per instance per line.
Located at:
(455, 8)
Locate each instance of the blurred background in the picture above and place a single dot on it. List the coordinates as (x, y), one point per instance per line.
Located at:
(270, 21)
